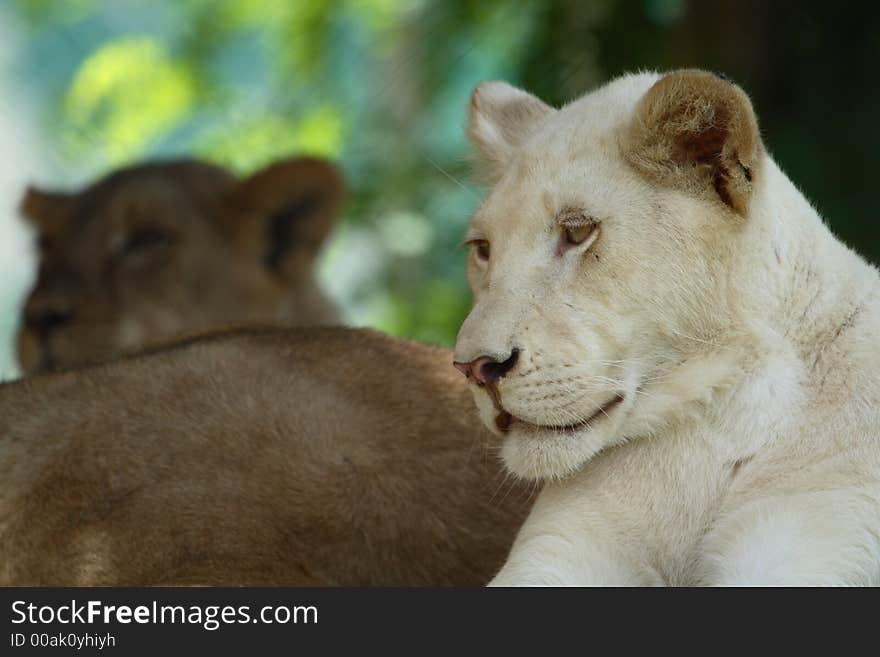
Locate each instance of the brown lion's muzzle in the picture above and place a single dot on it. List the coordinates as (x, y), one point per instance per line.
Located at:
(34, 350)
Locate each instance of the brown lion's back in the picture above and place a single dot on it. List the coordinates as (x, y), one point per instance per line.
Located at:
(263, 457)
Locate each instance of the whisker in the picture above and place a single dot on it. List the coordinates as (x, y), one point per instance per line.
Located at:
(450, 176)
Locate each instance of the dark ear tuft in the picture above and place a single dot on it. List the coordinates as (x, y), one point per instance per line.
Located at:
(281, 230)
(697, 132)
(283, 213)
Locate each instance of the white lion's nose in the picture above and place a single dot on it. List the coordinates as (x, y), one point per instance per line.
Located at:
(485, 369)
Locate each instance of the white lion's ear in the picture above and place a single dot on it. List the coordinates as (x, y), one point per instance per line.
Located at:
(501, 117)
(698, 131)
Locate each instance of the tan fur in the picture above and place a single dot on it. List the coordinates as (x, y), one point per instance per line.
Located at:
(298, 457)
(159, 250)
(698, 131)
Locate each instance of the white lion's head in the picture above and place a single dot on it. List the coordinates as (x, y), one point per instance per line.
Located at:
(600, 254)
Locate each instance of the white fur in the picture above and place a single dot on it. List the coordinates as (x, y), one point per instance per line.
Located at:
(747, 447)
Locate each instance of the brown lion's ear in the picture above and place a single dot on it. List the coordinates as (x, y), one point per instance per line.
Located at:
(47, 210)
(500, 118)
(284, 212)
(699, 132)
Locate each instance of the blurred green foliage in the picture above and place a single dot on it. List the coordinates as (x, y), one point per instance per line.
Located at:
(382, 87)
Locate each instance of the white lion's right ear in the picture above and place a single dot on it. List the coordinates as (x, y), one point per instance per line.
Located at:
(501, 117)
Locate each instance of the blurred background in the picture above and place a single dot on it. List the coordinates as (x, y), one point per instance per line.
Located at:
(381, 86)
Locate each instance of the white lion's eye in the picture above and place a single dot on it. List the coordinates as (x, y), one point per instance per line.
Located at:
(481, 248)
(575, 235)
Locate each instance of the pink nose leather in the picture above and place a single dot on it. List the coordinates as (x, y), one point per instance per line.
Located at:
(485, 370)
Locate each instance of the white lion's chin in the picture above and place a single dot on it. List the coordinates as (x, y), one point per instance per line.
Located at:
(542, 455)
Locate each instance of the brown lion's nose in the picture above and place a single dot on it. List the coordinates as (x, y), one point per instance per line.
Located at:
(485, 369)
(43, 320)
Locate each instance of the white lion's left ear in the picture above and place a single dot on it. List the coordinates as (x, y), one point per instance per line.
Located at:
(698, 132)
(501, 117)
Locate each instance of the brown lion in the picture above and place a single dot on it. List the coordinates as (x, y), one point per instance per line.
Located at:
(157, 250)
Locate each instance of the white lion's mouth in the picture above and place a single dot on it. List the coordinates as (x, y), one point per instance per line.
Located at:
(505, 421)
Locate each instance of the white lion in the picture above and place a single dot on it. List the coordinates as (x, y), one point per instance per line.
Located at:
(667, 334)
